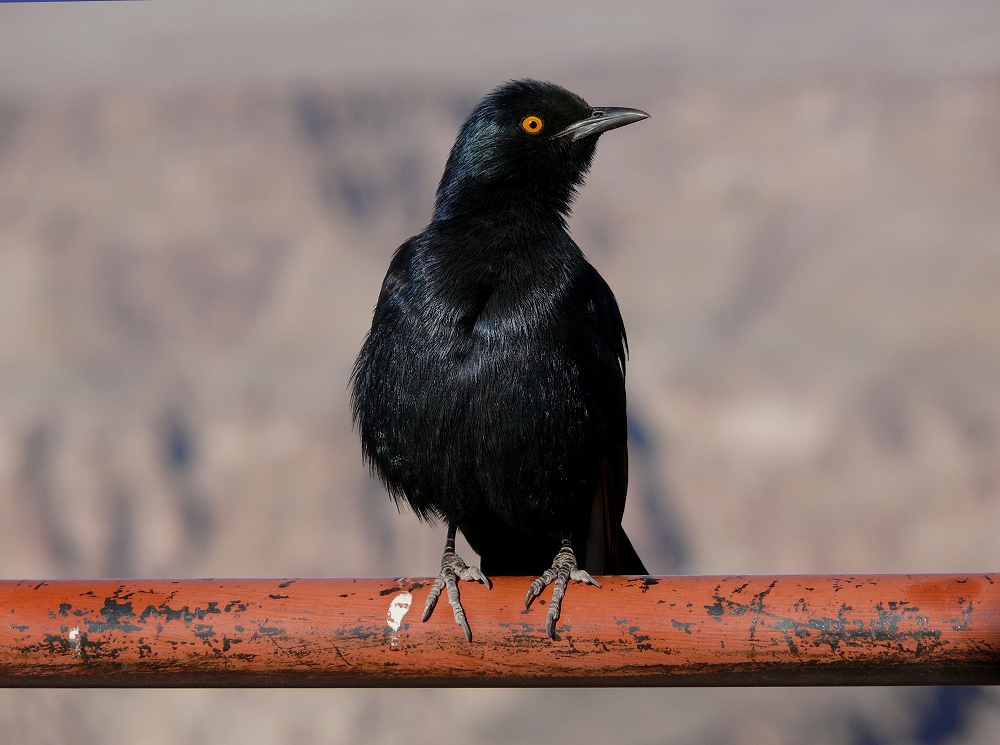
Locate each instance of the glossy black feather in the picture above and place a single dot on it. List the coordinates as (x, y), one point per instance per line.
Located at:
(490, 392)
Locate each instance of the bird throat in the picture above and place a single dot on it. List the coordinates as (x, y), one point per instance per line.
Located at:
(526, 201)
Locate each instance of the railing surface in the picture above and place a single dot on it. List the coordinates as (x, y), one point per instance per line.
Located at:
(648, 631)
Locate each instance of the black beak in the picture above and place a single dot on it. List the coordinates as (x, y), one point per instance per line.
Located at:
(602, 119)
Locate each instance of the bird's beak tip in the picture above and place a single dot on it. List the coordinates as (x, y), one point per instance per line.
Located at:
(602, 119)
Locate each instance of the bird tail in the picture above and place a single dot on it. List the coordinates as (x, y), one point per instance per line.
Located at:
(627, 561)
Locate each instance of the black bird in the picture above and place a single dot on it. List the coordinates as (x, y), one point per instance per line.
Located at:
(490, 392)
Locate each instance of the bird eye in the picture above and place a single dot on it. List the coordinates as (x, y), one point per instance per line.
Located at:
(532, 124)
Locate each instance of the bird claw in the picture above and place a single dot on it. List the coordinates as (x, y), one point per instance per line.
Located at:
(563, 569)
(453, 568)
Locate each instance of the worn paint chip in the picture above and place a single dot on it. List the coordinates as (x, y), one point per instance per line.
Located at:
(397, 609)
(75, 640)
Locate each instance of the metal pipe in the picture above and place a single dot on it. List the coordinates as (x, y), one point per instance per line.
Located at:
(636, 631)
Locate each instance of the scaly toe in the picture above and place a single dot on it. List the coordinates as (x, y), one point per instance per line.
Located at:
(563, 569)
(456, 605)
(453, 568)
(432, 598)
(581, 576)
(475, 574)
(536, 587)
(555, 606)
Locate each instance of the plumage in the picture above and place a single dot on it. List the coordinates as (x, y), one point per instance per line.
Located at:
(490, 391)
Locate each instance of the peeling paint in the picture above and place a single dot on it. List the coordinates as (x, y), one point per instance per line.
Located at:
(398, 608)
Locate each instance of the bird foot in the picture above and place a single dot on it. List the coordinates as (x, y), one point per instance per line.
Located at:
(453, 568)
(563, 569)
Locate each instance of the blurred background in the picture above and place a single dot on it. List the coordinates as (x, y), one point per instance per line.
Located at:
(198, 203)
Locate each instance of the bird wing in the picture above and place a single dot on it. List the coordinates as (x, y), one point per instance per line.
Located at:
(397, 277)
(375, 374)
(609, 550)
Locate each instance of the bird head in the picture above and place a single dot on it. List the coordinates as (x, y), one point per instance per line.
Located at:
(526, 145)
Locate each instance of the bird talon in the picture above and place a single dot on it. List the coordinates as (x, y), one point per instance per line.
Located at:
(563, 569)
(550, 621)
(432, 598)
(474, 574)
(533, 592)
(581, 576)
(453, 569)
(538, 585)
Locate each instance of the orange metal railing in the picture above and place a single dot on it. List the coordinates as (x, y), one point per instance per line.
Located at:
(659, 631)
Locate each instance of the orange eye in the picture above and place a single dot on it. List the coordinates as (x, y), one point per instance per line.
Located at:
(532, 124)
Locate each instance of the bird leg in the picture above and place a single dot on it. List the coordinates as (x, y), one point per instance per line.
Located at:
(453, 568)
(563, 569)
